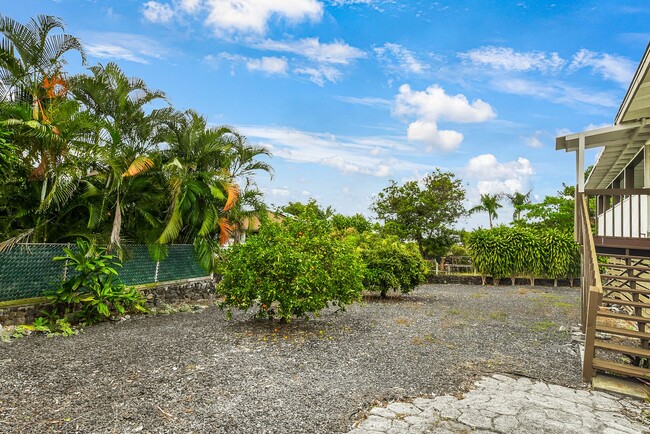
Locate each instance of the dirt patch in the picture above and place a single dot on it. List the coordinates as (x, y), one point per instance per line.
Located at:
(198, 372)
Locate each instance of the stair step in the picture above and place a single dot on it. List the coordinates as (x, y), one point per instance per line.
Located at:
(626, 302)
(632, 371)
(624, 277)
(623, 332)
(623, 349)
(621, 256)
(626, 267)
(623, 316)
(627, 289)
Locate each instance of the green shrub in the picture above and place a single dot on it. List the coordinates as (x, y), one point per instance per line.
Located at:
(518, 251)
(92, 291)
(390, 264)
(291, 269)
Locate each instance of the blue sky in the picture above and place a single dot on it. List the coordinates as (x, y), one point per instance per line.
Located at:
(349, 94)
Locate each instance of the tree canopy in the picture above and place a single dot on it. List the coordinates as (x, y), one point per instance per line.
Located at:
(423, 211)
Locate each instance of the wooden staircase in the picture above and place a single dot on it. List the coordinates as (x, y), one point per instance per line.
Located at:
(620, 324)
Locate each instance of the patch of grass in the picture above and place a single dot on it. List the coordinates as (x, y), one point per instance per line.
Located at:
(543, 326)
(403, 321)
(453, 311)
(500, 316)
(562, 305)
(479, 294)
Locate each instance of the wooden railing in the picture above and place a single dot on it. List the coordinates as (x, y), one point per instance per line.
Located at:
(592, 289)
(621, 216)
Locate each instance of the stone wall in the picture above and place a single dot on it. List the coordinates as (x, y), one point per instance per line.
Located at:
(181, 291)
(476, 280)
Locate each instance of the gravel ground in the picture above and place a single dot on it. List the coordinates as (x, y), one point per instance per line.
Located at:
(198, 372)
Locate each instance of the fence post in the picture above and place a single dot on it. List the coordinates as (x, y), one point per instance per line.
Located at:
(155, 276)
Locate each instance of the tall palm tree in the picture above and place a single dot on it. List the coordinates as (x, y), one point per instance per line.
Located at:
(518, 200)
(31, 76)
(201, 190)
(126, 138)
(490, 204)
(31, 60)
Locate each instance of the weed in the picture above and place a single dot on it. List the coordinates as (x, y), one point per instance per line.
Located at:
(500, 316)
(543, 326)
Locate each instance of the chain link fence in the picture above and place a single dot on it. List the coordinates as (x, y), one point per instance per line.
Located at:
(27, 270)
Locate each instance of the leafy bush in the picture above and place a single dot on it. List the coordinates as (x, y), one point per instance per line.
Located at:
(518, 251)
(390, 264)
(92, 291)
(359, 222)
(290, 269)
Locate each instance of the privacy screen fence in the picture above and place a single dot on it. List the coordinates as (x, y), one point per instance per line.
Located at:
(27, 270)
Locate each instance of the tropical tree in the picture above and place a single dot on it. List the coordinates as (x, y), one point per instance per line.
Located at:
(489, 204)
(126, 137)
(31, 60)
(424, 212)
(200, 188)
(518, 200)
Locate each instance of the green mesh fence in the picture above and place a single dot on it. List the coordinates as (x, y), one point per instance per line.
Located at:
(28, 270)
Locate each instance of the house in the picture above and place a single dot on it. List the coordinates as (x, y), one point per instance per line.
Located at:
(616, 294)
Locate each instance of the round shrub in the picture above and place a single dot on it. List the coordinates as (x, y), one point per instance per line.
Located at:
(390, 264)
(290, 269)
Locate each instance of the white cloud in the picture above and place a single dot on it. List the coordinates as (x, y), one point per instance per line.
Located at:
(493, 177)
(281, 192)
(190, 6)
(267, 65)
(510, 60)
(320, 74)
(399, 59)
(123, 46)
(367, 101)
(557, 92)
(346, 154)
(157, 12)
(609, 66)
(252, 16)
(534, 140)
(433, 105)
(337, 52)
(596, 126)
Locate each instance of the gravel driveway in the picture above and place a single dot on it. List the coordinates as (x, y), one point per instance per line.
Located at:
(198, 372)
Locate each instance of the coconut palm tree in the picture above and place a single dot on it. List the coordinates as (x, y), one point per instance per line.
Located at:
(518, 200)
(490, 204)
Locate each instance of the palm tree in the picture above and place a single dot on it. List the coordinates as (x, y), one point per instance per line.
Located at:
(490, 204)
(518, 200)
(126, 138)
(31, 60)
(31, 78)
(201, 190)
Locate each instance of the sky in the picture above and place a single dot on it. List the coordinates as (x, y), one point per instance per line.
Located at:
(350, 94)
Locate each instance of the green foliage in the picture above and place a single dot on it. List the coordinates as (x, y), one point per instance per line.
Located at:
(518, 251)
(489, 204)
(312, 208)
(554, 212)
(358, 222)
(390, 264)
(93, 291)
(291, 269)
(423, 212)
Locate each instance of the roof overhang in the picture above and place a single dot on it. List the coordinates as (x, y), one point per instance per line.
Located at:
(636, 104)
(621, 143)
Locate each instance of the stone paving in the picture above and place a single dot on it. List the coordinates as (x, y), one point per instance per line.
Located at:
(510, 405)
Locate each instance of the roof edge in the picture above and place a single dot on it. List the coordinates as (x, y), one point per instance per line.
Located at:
(641, 71)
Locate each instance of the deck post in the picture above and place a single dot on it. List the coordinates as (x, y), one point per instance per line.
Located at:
(593, 302)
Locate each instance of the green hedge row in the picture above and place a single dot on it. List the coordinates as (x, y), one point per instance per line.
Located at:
(523, 252)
